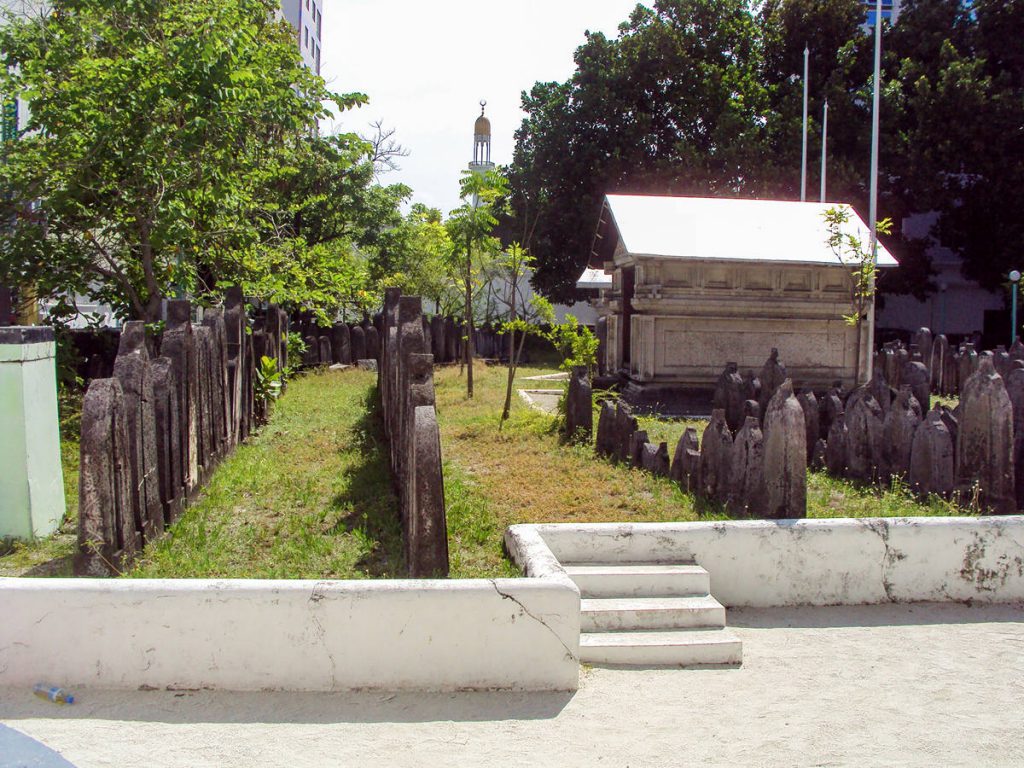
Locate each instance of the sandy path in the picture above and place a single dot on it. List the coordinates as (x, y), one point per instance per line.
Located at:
(887, 685)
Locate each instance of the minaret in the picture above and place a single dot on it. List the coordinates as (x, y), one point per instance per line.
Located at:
(481, 143)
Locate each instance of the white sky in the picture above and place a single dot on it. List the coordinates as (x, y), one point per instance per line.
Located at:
(426, 65)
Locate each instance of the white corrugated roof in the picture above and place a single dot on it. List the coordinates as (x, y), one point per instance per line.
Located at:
(594, 278)
(716, 228)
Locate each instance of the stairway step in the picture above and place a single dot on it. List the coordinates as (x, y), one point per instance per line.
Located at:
(639, 579)
(637, 613)
(685, 647)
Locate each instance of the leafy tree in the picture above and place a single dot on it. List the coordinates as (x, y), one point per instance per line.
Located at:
(471, 228)
(163, 139)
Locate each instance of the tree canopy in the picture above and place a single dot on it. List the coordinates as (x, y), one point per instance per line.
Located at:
(704, 97)
(172, 147)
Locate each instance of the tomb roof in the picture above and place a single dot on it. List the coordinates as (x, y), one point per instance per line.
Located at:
(726, 229)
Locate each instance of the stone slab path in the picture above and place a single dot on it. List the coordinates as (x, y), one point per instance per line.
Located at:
(909, 685)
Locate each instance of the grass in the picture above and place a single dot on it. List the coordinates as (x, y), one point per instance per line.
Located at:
(310, 496)
(524, 473)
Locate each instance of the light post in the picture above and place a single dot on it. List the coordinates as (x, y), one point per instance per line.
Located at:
(1014, 278)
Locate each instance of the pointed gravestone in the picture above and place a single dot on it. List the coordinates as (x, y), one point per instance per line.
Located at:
(747, 494)
(937, 366)
(168, 432)
(637, 441)
(1015, 391)
(341, 344)
(932, 457)
(729, 395)
(713, 459)
(625, 425)
(686, 461)
(864, 424)
(924, 341)
(818, 455)
(373, 343)
(107, 537)
(772, 375)
(655, 459)
(967, 364)
(809, 403)
(358, 337)
(898, 434)
(785, 456)
(915, 375)
(579, 406)
(837, 448)
(605, 445)
(881, 391)
(984, 450)
(131, 369)
(751, 387)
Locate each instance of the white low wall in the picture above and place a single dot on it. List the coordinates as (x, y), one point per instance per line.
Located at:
(814, 562)
(519, 634)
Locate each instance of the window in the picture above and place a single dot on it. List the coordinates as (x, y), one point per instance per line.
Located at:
(306, 29)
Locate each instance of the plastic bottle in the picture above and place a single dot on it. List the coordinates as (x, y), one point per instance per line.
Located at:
(53, 693)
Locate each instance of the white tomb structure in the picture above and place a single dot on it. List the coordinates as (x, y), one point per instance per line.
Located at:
(690, 284)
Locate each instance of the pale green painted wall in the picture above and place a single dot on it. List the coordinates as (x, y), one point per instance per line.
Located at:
(31, 479)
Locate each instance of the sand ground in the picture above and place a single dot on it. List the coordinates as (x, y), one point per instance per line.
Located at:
(882, 685)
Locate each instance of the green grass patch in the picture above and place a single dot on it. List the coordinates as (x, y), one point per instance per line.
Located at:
(308, 497)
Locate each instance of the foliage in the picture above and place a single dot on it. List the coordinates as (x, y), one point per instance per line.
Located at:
(855, 252)
(576, 344)
(170, 148)
(705, 98)
(268, 382)
(296, 350)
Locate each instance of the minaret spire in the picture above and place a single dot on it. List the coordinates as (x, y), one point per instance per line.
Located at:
(481, 162)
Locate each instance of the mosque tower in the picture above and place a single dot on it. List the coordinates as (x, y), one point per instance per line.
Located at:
(481, 143)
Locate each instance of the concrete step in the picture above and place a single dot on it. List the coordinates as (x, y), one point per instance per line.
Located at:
(636, 613)
(684, 648)
(639, 580)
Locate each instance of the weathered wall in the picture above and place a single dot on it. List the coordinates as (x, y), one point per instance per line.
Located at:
(820, 562)
(518, 634)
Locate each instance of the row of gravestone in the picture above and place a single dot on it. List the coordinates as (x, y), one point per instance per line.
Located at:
(405, 379)
(346, 344)
(877, 432)
(754, 471)
(930, 364)
(973, 452)
(152, 433)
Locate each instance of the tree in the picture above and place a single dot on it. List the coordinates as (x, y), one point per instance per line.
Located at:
(163, 141)
(471, 227)
(675, 104)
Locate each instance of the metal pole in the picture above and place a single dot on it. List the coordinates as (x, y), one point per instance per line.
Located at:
(803, 154)
(824, 145)
(1014, 279)
(873, 203)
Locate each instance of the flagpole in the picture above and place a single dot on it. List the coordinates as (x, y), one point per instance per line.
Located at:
(803, 154)
(824, 145)
(873, 201)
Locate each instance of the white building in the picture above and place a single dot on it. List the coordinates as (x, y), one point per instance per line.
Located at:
(306, 16)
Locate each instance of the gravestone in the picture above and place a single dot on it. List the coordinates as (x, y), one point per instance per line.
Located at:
(373, 343)
(772, 375)
(178, 344)
(637, 441)
(984, 448)
(107, 537)
(746, 485)
(131, 369)
(655, 459)
(729, 395)
(358, 338)
(837, 447)
(168, 437)
(686, 461)
(864, 424)
(605, 445)
(715, 454)
(341, 344)
(809, 403)
(932, 457)
(785, 456)
(1015, 391)
(898, 430)
(937, 367)
(579, 406)
(915, 375)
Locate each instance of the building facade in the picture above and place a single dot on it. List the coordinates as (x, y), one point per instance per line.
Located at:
(306, 17)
